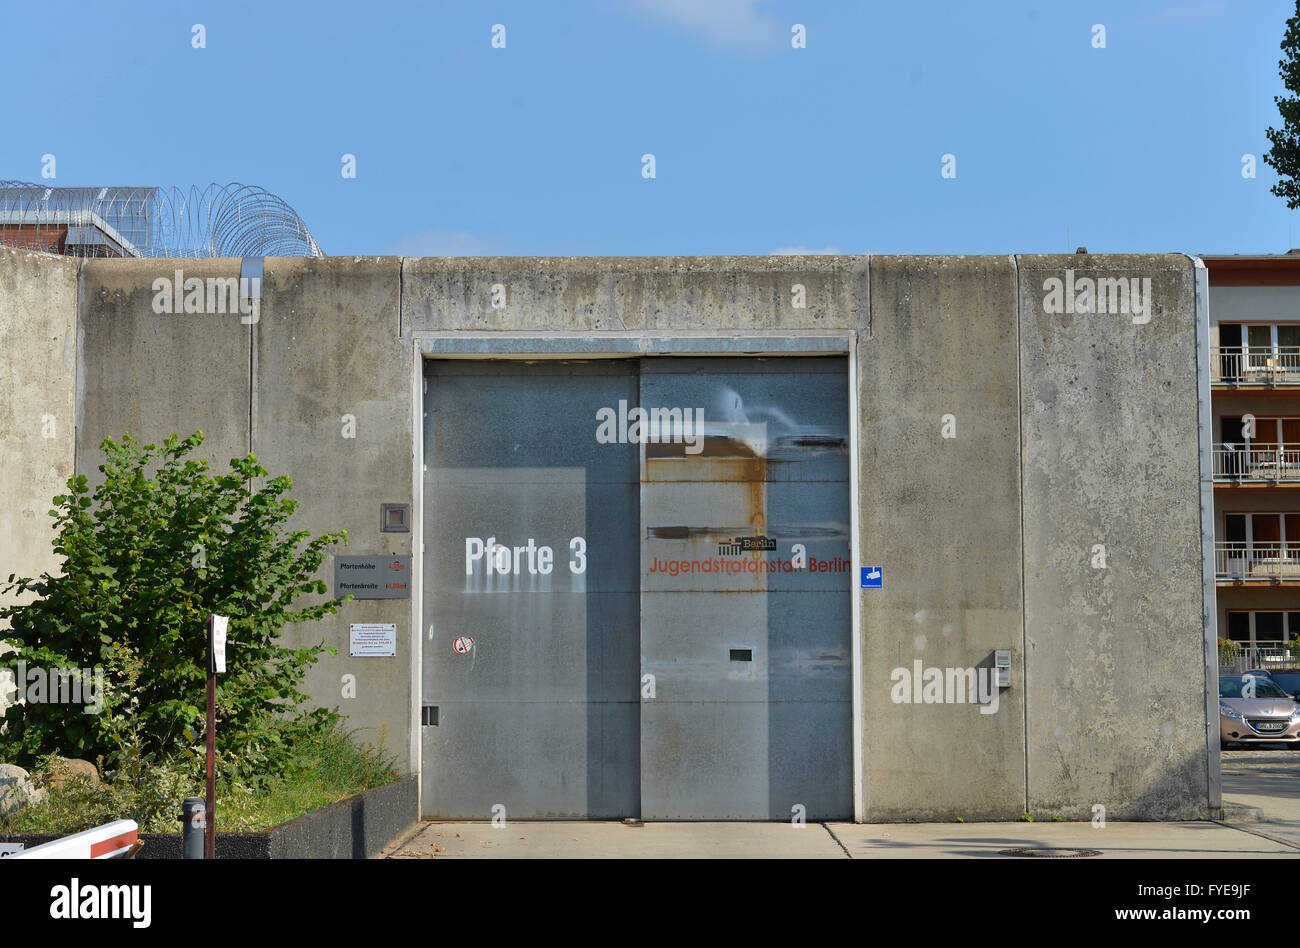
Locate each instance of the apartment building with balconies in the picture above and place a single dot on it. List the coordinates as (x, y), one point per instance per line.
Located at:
(1255, 398)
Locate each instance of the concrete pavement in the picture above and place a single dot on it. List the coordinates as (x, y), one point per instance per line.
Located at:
(1270, 781)
(573, 840)
(1261, 795)
(584, 840)
(1188, 840)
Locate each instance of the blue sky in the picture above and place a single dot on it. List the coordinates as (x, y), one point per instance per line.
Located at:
(535, 149)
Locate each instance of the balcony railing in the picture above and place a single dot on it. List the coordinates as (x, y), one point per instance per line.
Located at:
(1255, 365)
(1256, 463)
(1244, 562)
(1240, 657)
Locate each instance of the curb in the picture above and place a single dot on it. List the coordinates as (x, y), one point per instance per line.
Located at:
(1239, 813)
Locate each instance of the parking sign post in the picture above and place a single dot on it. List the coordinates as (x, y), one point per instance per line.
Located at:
(216, 663)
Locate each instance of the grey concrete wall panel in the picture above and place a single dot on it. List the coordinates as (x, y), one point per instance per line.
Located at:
(155, 374)
(1116, 676)
(632, 294)
(540, 715)
(761, 734)
(942, 516)
(326, 346)
(38, 352)
(1082, 427)
(359, 827)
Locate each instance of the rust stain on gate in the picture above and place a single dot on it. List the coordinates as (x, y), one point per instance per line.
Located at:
(723, 459)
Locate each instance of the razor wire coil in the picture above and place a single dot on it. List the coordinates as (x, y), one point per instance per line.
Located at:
(230, 220)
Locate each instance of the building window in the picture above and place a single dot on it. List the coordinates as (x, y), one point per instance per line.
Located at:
(1263, 629)
(1259, 351)
(1264, 534)
(1268, 450)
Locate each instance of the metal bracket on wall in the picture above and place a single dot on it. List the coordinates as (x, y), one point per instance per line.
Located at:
(394, 518)
(250, 288)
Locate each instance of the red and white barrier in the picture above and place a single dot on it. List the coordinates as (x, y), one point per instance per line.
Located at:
(102, 842)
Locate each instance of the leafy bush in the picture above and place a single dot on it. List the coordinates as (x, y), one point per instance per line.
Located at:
(139, 577)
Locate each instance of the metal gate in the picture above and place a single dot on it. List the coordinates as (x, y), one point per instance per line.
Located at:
(537, 712)
(745, 623)
(686, 655)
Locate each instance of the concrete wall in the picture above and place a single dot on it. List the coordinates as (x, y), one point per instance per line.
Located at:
(1115, 704)
(152, 375)
(38, 358)
(673, 295)
(1067, 431)
(941, 515)
(324, 344)
(327, 346)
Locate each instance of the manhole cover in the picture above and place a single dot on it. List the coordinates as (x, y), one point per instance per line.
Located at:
(1051, 853)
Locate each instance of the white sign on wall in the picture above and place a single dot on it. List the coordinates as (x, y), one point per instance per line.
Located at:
(372, 639)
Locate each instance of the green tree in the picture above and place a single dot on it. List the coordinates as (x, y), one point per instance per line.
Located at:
(1284, 156)
(161, 550)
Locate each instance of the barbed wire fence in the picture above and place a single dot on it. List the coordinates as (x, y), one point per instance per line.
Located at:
(220, 220)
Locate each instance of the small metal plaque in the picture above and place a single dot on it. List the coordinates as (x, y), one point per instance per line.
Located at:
(373, 577)
(372, 638)
(394, 518)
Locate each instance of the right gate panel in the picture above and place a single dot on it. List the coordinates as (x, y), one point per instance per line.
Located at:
(745, 586)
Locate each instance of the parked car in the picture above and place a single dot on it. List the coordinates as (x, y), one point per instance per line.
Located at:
(1288, 680)
(1254, 709)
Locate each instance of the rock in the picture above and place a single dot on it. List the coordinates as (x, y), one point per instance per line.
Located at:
(66, 769)
(16, 788)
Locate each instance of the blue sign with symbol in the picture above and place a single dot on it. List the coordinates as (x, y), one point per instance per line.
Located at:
(873, 577)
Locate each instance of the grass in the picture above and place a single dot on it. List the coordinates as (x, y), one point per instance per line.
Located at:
(337, 769)
(328, 769)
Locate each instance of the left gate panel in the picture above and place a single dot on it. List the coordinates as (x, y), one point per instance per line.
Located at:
(531, 570)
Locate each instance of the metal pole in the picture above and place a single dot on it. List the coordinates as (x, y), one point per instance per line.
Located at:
(193, 827)
(210, 847)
